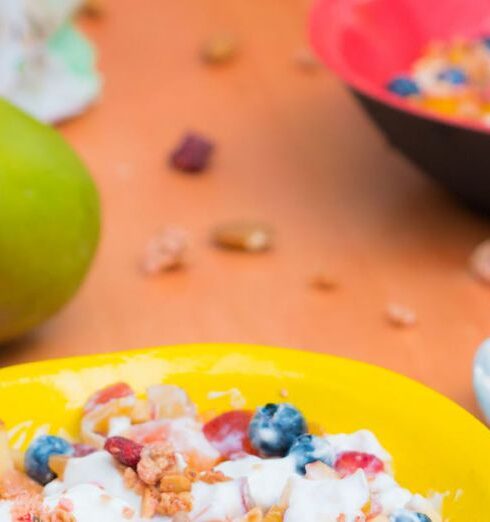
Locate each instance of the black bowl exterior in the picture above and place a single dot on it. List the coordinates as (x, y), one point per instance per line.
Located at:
(457, 157)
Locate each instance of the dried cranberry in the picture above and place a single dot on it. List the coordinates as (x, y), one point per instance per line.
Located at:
(349, 462)
(193, 154)
(228, 433)
(124, 450)
(109, 393)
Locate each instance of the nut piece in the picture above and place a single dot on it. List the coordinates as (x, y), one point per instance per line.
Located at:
(243, 235)
(400, 316)
(306, 60)
(479, 262)
(166, 251)
(219, 49)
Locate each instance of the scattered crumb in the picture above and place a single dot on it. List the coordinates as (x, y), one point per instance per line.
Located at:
(166, 251)
(283, 393)
(400, 316)
(306, 60)
(93, 8)
(479, 262)
(219, 49)
(246, 236)
(193, 153)
(324, 281)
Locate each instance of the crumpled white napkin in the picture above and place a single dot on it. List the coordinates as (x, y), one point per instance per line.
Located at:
(481, 378)
(47, 67)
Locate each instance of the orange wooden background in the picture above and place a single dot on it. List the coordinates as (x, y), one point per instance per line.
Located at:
(293, 149)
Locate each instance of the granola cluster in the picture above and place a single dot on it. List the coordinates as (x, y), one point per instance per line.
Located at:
(165, 486)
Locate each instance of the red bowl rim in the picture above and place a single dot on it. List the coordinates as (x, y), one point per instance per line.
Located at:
(379, 94)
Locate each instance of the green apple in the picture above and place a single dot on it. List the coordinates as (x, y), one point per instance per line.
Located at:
(49, 221)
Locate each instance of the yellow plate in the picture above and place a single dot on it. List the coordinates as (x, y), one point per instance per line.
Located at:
(437, 446)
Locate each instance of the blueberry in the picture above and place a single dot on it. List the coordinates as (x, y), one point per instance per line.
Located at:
(403, 86)
(453, 76)
(402, 515)
(38, 453)
(274, 428)
(308, 448)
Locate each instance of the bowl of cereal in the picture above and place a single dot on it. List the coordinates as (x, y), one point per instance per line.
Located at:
(421, 70)
(232, 432)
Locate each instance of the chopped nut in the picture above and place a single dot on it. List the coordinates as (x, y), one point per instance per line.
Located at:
(324, 281)
(193, 154)
(57, 464)
(479, 262)
(213, 477)
(132, 481)
(400, 316)
(219, 49)
(169, 504)
(243, 235)
(306, 60)
(275, 514)
(157, 459)
(165, 251)
(149, 503)
(283, 392)
(175, 484)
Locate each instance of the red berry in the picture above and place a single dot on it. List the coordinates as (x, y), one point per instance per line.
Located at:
(124, 450)
(82, 450)
(193, 153)
(349, 462)
(114, 391)
(228, 433)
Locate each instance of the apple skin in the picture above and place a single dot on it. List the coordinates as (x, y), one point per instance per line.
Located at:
(49, 222)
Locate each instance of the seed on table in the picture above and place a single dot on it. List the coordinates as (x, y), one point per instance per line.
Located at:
(324, 281)
(219, 49)
(166, 251)
(193, 153)
(306, 60)
(247, 236)
(479, 262)
(400, 316)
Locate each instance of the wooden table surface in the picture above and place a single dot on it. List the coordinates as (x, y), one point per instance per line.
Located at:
(294, 150)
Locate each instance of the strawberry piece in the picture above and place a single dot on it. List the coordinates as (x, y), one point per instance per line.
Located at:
(126, 451)
(107, 394)
(349, 462)
(228, 433)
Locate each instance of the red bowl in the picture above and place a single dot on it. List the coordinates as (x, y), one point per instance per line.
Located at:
(368, 42)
